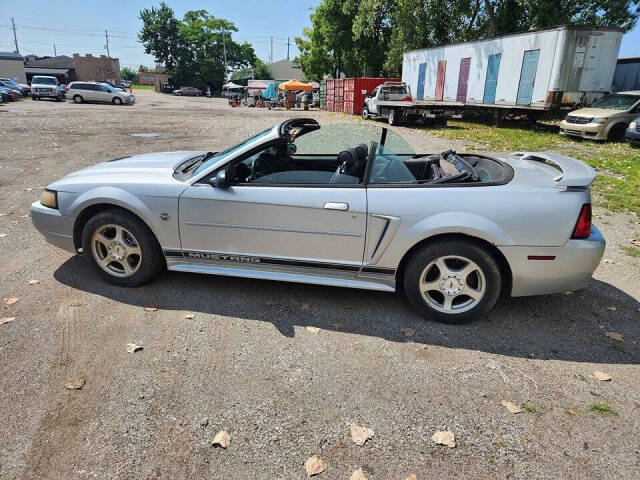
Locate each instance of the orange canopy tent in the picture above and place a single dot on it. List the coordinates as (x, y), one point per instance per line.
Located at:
(294, 84)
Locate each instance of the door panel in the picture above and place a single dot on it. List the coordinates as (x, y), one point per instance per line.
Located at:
(463, 80)
(442, 68)
(491, 81)
(422, 70)
(277, 222)
(527, 76)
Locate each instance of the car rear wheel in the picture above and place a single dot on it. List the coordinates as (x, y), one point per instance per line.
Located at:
(117, 101)
(452, 281)
(78, 99)
(121, 248)
(365, 113)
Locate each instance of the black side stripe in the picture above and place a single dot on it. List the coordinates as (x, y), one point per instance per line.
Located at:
(296, 263)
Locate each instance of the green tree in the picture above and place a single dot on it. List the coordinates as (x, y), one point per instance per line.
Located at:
(262, 70)
(193, 49)
(369, 37)
(129, 74)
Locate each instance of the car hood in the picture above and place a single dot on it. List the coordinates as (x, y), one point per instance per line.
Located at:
(138, 169)
(595, 112)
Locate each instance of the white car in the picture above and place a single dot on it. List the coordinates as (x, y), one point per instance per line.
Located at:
(81, 92)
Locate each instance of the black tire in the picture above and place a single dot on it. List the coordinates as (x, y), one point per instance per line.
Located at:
(470, 250)
(365, 113)
(394, 117)
(117, 101)
(617, 132)
(152, 260)
(34, 98)
(78, 99)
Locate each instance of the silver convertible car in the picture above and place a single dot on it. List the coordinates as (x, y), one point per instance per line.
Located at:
(345, 205)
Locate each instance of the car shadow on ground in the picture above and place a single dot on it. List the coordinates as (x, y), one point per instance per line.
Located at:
(563, 327)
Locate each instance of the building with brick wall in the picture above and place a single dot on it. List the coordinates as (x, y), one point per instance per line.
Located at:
(100, 68)
(146, 78)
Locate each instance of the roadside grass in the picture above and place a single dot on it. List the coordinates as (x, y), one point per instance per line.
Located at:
(531, 408)
(602, 408)
(618, 164)
(143, 87)
(631, 251)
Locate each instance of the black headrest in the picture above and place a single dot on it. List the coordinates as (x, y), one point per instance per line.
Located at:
(362, 151)
(349, 156)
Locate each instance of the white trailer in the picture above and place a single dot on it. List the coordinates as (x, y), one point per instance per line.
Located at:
(535, 70)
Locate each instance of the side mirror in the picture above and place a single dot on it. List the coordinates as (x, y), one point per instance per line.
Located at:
(220, 180)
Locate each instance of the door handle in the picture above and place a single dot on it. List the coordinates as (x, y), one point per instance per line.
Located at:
(337, 206)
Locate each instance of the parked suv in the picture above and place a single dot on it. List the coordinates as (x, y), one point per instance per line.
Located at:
(606, 119)
(97, 92)
(45, 87)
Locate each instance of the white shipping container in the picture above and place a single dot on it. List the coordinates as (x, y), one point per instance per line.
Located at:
(531, 70)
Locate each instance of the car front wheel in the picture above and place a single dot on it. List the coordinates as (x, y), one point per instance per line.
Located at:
(121, 248)
(452, 281)
(365, 113)
(117, 101)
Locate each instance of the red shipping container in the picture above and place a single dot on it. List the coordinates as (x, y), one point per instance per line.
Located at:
(354, 100)
(338, 95)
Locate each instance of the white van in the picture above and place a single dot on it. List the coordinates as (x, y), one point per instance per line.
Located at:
(45, 87)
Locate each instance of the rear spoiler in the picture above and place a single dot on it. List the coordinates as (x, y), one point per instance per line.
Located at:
(574, 173)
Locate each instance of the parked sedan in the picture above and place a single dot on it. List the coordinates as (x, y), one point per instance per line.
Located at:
(632, 135)
(342, 205)
(606, 119)
(188, 92)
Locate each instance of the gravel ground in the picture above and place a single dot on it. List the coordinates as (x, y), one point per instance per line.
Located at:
(248, 363)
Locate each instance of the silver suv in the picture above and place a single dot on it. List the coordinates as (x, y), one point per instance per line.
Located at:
(45, 87)
(81, 92)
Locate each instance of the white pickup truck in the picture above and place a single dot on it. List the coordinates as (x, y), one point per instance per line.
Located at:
(393, 101)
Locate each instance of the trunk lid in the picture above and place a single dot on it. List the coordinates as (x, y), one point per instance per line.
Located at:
(550, 170)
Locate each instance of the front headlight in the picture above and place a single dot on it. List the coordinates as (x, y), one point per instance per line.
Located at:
(49, 198)
(599, 120)
(632, 125)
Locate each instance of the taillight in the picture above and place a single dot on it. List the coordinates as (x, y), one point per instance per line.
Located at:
(66, 89)
(583, 226)
(407, 99)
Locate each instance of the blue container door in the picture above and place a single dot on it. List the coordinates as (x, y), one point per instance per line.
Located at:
(527, 77)
(422, 70)
(491, 82)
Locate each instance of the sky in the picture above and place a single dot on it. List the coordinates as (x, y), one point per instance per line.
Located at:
(77, 26)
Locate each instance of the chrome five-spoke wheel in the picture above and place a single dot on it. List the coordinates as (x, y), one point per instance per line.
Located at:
(452, 284)
(116, 250)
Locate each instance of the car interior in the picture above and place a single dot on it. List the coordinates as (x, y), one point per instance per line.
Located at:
(280, 165)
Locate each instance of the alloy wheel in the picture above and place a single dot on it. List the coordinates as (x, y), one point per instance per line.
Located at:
(452, 284)
(116, 250)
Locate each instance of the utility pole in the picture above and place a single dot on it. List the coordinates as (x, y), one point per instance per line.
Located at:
(15, 37)
(55, 54)
(224, 51)
(271, 54)
(288, 43)
(106, 36)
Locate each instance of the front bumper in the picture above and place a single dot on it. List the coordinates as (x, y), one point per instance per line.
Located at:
(56, 228)
(46, 93)
(593, 131)
(571, 269)
(632, 136)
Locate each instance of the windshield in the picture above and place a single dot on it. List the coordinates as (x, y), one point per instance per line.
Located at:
(616, 101)
(229, 151)
(44, 81)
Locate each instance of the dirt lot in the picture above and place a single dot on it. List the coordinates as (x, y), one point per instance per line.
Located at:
(247, 362)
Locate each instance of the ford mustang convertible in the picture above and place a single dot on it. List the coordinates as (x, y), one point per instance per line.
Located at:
(345, 205)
